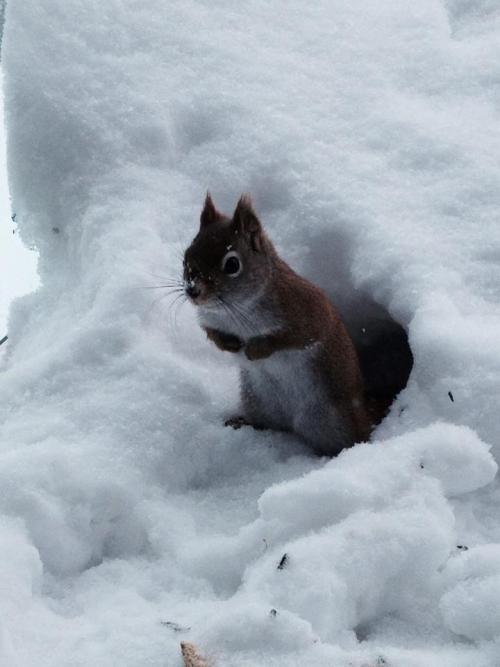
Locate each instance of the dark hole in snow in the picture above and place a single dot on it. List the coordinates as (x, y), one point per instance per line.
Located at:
(363, 631)
(386, 361)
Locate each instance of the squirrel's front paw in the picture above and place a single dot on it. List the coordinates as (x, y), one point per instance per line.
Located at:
(224, 341)
(231, 343)
(258, 347)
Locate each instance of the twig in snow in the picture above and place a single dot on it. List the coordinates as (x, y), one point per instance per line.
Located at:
(2, 341)
(191, 656)
(175, 626)
(283, 562)
(451, 397)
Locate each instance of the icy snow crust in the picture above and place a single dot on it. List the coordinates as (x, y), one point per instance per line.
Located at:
(368, 135)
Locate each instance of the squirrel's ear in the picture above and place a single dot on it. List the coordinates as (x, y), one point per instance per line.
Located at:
(210, 213)
(245, 218)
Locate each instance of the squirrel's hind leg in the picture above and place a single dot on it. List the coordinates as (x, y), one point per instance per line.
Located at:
(324, 429)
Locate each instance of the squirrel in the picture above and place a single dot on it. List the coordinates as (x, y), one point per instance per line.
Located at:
(299, 370)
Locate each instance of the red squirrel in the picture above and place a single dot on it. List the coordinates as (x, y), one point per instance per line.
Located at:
(298, 367)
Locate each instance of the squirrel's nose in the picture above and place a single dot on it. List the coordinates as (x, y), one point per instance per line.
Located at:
(193, 291)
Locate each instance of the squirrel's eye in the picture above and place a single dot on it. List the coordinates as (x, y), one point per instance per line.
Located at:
(231, 264)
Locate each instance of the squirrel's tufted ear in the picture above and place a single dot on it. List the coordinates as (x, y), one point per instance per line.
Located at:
(246, 219)
(210, 213)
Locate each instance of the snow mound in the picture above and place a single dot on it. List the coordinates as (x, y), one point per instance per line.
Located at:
(371, 565)
(372, 475)
(75, 520)
(367, 134)
(364, 536)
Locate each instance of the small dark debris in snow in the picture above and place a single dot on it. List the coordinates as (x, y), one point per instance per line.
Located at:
(2, 341)
(379, 662)
(283, 562)
(265, 543)
(56, 230)
(175, 626)
(451, 397)
(13, 217)
(273, 613)
(422, 466)
(462, 547)
(402, 409)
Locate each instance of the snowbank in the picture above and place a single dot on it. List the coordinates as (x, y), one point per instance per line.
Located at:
(367, 134)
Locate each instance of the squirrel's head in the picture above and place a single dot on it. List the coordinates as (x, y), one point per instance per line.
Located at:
(229, 259)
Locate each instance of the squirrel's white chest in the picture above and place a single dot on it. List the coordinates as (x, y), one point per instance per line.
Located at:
(283, 386)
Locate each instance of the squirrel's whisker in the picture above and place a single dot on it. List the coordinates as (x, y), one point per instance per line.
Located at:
(175, 288)
(176, 305)
(165, 278)
(178, 294)
(241, 316)
(172, 310)
(233, 313)
(245, 317)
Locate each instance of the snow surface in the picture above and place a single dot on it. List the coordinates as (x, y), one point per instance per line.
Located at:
(18, 263)
(368, 134)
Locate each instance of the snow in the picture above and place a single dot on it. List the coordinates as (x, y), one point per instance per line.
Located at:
(367, 134)
(18, 263)
(470, 606)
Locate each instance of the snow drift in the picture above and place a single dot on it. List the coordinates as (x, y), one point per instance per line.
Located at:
(367, 134)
